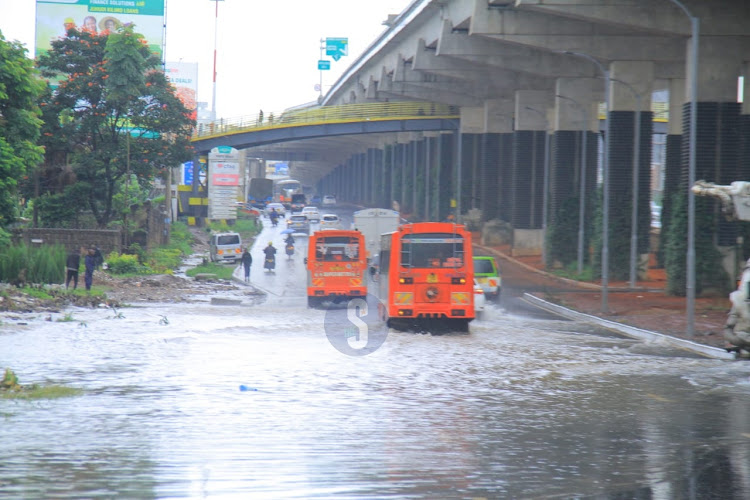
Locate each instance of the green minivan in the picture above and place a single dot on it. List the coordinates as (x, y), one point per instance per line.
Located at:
(487, 274)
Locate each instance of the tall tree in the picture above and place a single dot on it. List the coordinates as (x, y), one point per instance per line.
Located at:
(20, 89)
(112, 116)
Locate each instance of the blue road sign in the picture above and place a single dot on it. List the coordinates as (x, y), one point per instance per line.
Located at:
(337, 47)
(323, 64)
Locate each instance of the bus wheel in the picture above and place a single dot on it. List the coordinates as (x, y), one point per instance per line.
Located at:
(312, 302)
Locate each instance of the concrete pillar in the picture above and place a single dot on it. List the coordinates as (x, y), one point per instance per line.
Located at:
(631, 81)
(576, 124)
(492, 174)
(532, 125)
(472, 126)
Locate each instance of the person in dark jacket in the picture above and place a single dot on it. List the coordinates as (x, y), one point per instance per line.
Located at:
(247, 261)
(89, 263)
(72, 264)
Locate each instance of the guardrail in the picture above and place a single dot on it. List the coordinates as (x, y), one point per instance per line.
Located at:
(327, 114)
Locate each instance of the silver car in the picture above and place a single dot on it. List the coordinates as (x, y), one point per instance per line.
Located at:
(298, 223)
(330, 221)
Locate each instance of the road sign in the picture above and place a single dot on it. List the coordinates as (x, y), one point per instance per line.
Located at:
(324, 64)
(337, 47)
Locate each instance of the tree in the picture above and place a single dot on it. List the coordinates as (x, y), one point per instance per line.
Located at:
(113, 116)
(20, 89)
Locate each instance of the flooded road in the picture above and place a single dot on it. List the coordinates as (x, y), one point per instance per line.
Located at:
(253, 401)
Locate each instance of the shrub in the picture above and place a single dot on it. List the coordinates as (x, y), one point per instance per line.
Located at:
(123, 264)
(44, 264)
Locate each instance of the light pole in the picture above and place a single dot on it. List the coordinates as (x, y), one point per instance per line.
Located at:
(545, 183)
(216, 32)
(636, 171)
(582, 188)
(693, 83)
(605, 179)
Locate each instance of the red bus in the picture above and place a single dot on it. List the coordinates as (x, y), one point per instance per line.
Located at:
(427, 276)
(336, 266)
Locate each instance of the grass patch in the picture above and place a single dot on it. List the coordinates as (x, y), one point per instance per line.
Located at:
(36, 292)
(571, 272)
(11, 389)
(221, 271)
(39, 392)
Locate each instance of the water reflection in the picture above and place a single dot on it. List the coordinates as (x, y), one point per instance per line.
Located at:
(520, 408)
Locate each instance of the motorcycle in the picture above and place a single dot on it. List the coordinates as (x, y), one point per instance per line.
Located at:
(290, 250)
(270, 263)
(274, 220)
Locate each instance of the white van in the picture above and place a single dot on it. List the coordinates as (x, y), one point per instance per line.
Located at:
(225, 247)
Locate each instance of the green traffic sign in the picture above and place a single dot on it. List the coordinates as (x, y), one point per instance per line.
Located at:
(337, 47)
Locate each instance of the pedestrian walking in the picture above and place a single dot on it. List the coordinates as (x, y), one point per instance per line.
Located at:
(89, 263)
(98, 257)
(72, 264)
(247, 261)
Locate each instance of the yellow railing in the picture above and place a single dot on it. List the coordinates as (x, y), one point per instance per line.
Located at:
(327, 114)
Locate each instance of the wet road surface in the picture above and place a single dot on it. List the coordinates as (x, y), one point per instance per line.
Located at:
(254, 401)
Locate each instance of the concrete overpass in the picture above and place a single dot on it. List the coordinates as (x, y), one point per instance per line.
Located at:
(523, 71)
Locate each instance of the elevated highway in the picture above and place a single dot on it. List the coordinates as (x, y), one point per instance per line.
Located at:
(520, 72)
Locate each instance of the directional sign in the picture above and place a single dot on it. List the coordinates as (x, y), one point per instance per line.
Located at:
(324, 64)
(337, 47)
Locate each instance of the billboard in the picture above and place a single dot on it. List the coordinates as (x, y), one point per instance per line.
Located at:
(184, 78)
(55, 17)
(224, 177)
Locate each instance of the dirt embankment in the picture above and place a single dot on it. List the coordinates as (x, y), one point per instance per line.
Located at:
(121, 291)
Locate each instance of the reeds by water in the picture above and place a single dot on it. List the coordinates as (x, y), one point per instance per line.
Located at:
(34, 264)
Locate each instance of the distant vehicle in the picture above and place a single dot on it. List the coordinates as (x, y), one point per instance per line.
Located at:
(329, 200)
(374, 222)
(330, 221)
(336, 266)
(298, 202)
(479, 300)
(225, 247)
(283, 189)
(278, 207)
(315, 200)
(298, 223)
(311, 213)
(260, 192)
(487, 274)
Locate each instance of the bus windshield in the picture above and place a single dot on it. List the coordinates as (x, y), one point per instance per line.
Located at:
(337, 249)
(432, 250)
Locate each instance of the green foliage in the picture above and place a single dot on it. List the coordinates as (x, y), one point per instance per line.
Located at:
(37, 293)
(4, 239)
(45, 264)
(163, 260)
(112, 114)
(19, 123)
(562, 235)
(221, 271)
(124, 264)
(709, 273)
(66, 319)
(11, 389)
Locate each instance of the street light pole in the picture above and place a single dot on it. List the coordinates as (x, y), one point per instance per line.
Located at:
(636, 172)
(545, 183)
(693, 83)
(216, 32)
(605, 176)
(582, 187)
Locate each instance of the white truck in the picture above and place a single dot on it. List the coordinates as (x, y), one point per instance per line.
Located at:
(372, 222)
(735, 203)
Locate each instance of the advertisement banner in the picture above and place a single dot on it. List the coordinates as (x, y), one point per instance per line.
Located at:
(184, 78)
(224, 177)
(55, 17)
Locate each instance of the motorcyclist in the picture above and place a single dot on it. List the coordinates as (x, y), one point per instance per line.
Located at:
(270, 252)
(274, 215)
(289, 245)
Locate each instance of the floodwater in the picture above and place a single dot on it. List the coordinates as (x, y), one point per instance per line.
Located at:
(254, 401)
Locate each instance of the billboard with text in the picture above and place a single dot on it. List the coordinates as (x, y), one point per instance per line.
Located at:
(55, 17)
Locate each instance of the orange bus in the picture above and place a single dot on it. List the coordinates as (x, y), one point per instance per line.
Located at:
(427, 276)
(336, 266)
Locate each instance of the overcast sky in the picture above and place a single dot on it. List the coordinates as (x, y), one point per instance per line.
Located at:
(267, 49)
